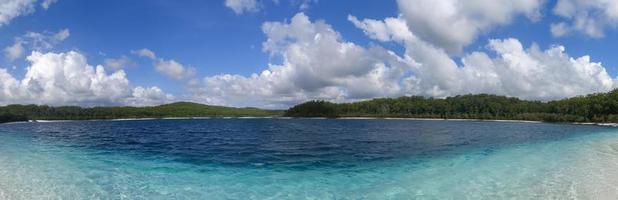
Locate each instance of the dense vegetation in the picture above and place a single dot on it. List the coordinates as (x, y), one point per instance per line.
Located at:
(602, 107)
(12, 118)
(180, 109)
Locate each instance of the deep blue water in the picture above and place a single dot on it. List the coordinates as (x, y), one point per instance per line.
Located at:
(298, 158)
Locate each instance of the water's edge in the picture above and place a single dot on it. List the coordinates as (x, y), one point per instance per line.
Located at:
(339, 118)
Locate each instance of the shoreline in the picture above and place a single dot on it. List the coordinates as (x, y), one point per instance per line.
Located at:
(340, 118)
(446, 119)
(482, 120)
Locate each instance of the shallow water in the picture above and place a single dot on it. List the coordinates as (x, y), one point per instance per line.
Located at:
(307, 159)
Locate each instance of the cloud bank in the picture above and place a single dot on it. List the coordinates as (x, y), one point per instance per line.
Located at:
(67, 79)
(317, 63)
(529, 73)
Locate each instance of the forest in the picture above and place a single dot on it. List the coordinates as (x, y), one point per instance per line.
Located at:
(180, 109)
(600, 107)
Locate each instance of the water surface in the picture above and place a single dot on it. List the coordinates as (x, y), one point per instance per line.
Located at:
(306, 158)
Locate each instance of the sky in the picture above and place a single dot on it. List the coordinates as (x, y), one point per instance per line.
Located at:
(277, 53)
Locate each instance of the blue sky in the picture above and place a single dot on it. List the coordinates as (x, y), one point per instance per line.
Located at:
(204, 34)
(197, 43)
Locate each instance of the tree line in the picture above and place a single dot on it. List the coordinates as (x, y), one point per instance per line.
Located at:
(11, 113)
(600, 107)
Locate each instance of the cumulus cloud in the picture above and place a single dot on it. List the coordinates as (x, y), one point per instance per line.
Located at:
(67, 79)
(169, 68)
(10, 9)
(590, 17)
(36, 41)
(174, 70)
(317, 63)
(532, 73)
(148, 96)
(529, 73)
(453, 24)
(242, 6)
(391, 29)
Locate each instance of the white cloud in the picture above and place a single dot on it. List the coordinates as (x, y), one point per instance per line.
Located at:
(148, 96)
(590, 17)
(392, 29)
(251, 6)
(173, 69)
(14, 51)
(306, 4)
(526, 73)
(453, 24)
(145, 53)
(317, 63)
(36, 41)
(169, 68)
(45, 40)
(117, 63)
(533, 73)
(67, 79)
(10, 9)
(62, 35)
(559, 29)
(242, 6)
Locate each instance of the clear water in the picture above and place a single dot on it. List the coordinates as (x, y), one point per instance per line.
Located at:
(307, 159)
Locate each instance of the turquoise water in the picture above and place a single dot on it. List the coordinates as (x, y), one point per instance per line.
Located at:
(307, 159)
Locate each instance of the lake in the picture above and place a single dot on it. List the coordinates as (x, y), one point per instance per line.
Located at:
(307, 159)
